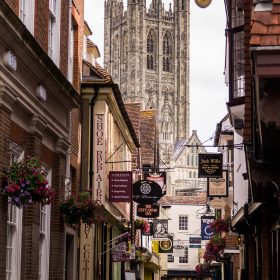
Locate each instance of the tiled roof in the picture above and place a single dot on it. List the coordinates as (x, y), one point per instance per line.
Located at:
(265, 26)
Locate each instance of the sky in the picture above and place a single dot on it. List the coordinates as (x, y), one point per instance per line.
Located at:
(208, 91)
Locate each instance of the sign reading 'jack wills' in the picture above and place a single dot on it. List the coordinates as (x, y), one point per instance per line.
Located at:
(210, 165)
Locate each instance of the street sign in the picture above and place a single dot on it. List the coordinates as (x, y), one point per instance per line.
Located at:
(206, 231)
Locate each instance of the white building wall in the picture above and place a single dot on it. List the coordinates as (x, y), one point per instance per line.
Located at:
(194, 223)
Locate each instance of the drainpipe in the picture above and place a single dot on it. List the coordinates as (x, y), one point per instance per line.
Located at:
(92, 102)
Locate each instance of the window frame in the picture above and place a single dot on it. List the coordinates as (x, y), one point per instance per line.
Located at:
(185, 259)
(26, 14)
(183, 227)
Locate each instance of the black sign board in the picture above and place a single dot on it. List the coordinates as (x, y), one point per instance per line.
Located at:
(210, 165)
(160, 228)
(148, 211)
(166, 245)
(146, 192)
(150, 232)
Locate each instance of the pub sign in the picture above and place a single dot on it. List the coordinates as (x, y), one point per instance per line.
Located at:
(148, 211)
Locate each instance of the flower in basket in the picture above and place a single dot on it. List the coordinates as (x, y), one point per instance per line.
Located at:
(220, 225)
(214, 248)
(25, 183)
(79, 208)
(142, 255)
(142, 224)
(202, 269)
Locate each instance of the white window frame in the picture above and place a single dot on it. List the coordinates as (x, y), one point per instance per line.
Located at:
(71, 52)
(26, 14)
(14, 227)
(54, 31)
(183, 227)
(185, 259)
(44, 246)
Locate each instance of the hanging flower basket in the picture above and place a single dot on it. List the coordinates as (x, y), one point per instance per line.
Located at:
(25, 183)
(202, 269)
(79, 208)
(214, 248)
(142, 224)
(220, 225)
(142, 255)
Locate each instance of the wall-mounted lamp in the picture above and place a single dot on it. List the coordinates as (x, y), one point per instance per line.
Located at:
(41, 93)
(10, 60)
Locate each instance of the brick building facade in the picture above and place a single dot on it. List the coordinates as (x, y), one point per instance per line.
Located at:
(39, 90)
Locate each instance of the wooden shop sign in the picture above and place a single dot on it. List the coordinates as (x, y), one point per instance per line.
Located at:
(146, 192)
(148, 211)
(210, 165)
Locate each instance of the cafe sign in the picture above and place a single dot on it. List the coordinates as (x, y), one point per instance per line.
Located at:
(217, 203)
(210, 165)
(218, 187)
(148, 211)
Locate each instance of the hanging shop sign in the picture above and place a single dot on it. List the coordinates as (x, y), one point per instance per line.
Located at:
(195, 242)
(146, 192)
(210, 165)
(217, 187)
(160, 229)
(148, 211)
(158, 177)
(150, 231)
(99, 159)
(217, 203)
(166, 245)
(119, 253)
(206, 231)
(179, 248)
(120, 185)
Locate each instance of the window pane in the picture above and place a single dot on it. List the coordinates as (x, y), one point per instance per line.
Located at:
(183, 222)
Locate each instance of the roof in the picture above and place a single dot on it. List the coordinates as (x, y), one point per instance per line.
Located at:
(93, 46)
(265, 25)
(96, 76)
(182, 144)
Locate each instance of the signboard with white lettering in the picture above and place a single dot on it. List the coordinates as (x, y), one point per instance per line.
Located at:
(146, 192)
(120, 185)
(217, 187)
(148, 211)
(206, 231)
(210, 165)
(195, 242)
(99, 159)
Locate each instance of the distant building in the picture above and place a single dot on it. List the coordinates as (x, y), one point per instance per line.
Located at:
(147, 54)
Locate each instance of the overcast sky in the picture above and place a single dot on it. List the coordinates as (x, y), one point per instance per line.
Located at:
(208, 92)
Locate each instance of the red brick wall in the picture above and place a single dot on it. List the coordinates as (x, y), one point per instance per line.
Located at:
(64, 34)
(31, 221)
(57, 223)
(5, 128)
(248, 75)
(147, 136)
(133, 110)
(41, 23)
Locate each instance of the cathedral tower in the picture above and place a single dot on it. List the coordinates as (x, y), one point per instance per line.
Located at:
(147, 53)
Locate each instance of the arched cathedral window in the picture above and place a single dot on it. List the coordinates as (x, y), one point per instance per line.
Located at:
(124, 50)
(167, 52)
(151, 51)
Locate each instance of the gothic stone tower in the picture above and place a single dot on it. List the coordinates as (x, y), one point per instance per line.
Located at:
(147, 54)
